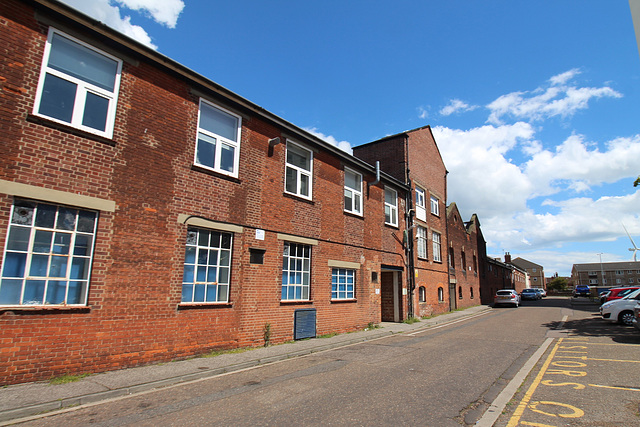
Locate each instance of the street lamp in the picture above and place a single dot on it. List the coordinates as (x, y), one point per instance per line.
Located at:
(601, 269)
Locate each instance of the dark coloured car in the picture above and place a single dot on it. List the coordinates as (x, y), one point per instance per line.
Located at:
(582, 291)
(530, 294)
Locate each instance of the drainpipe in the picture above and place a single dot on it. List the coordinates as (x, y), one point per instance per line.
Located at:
(369, 184)
(446, 232)
(411, 269)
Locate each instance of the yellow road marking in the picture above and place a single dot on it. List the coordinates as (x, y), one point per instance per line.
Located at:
(599, 360)
(615, 388)
(515, 419)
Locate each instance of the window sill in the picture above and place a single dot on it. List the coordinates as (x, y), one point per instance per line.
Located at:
(354, 214)
(298, 198)
(346, 300)
(204, 305)
(391, 225)
(44, 308)
(69, 129)
(215, 174)
(295, 301)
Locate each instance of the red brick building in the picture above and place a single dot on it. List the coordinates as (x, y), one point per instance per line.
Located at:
(413, 157)
(149, 214)
(463, 258)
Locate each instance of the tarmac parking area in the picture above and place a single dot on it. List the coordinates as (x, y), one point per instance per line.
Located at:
(589, 375)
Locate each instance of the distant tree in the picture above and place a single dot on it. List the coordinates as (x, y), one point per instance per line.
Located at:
(558, 284)
(637, 182)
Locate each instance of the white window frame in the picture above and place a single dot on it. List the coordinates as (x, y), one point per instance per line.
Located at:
(83, 88)
(421, 208)
(201, 274)
(54, 245)
(299, 171)
(348, 289)
(355, 194)
(219, 141)
(435, 205)
(391, 209)
(296, 272)
(421, 242)
(436, 240)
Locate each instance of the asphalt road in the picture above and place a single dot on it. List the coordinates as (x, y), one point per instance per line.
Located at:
(443, 376)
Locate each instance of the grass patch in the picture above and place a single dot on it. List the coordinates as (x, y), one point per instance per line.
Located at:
(411, 320)
(67, 378)
(214, 353)
(329, 335)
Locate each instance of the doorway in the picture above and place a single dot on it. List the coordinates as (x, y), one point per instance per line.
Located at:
(391, 296)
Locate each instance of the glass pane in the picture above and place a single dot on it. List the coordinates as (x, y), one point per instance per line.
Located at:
(213, 257)
(352, 180)
(61, 243)
(227, 157)
(42, 241)
(202, 256)
(10, 290)
(56, 290)
(206, 151)
(22, 213)
(33, 292)
(348, 202)
(218, 122)
(58, 266)
(356, 203)
(212, 275)
(215, 239)
(212, 293)
(202, 274)
(224, 258)
(82, 245)
(66, 219)
(18, 238)
(187, 293)
(46, 216)
(58, 98)
(187, 276)
(298, 292)
(226, 241)
(390, 197)
(224, 275)
(291, 181)
(298, 157)
(86, 221)
(203, 238)
(190, 255)
(284, 293)
(83, 63)
(14, 264)
(95, 111)
(304, 185)
(39, 264)
(198, 295)
(223, 291)
(192, 237)
(77, 292)
(79, 268)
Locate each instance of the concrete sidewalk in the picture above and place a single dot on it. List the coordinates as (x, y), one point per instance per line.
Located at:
(24, 400)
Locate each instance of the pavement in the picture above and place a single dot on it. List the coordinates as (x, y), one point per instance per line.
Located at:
(25, 400)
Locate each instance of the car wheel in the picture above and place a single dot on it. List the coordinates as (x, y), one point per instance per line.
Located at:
(626, 318)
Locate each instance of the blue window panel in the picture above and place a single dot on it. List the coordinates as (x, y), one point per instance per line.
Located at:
(213, 258)
(82, 245)
(212, 293)
(42, 241)
(203, 256)
(10, 290)
(77, 292)
(58, 98)
(79, 268)
(61, 243)
(96, 109)
(202, 274)
(198, 294)
(212, 274)
(14, 264)
(187, 293)
(190, 255)
(206, 150)
(39, 265)
(56, 291)
(34, 291)
(58, 266)
(227, 157)
(224, 275)
(188, 274)
(223, 292)
(18, 239)
(284, 292)
(218, 122)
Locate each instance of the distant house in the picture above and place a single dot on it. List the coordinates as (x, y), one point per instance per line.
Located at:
(606, 274)
(535, 271)
(463, 257)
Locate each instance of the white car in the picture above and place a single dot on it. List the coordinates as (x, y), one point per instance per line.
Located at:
(621, 310)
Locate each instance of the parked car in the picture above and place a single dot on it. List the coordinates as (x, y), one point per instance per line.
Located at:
(619, 293)
(621, 310)
(603, 296)
(582, 290)
(531, 294)
(543, 292)
(636, 316)
(506, 296)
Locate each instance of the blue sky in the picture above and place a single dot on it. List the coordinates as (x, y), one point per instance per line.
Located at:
(535, 105)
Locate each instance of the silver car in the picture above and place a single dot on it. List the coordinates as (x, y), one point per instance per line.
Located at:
(506, 297)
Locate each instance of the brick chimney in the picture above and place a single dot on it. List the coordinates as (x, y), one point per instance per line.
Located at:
(507, 258)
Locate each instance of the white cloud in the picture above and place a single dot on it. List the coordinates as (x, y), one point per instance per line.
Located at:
(342, 145)
(560, 99)
(456, 106)
(423, 113)
(165, 12)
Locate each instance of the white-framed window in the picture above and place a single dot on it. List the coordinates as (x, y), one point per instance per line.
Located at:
(435, 206)
(440, 295)
(422, 294)
(421, 240)
(618, 281)
(48, 255)
(296, 271)
(619, 272)
(218, 139)
(298, 171)
(435, 240)
(352, 192)
(593, 281)
(78, 85)
(421, 209)
(343, 283)
(390, 206)
(631, 280)
(207, 266)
